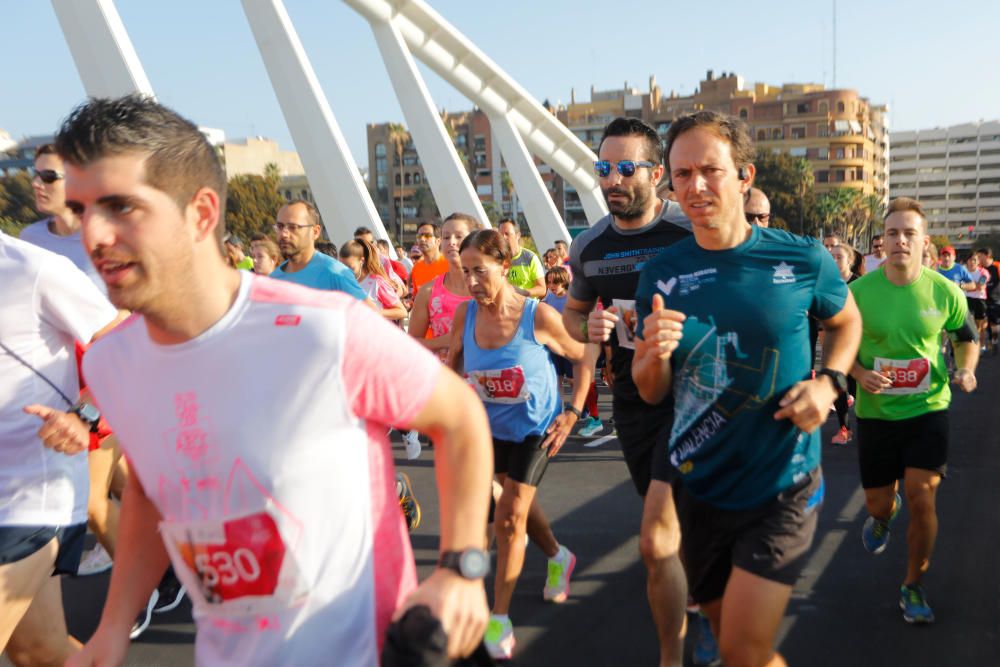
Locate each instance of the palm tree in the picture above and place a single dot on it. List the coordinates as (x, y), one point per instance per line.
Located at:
(399, 138)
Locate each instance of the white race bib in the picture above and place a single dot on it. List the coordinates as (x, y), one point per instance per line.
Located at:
(237, 566)
(909, 376)
(500, 386)
(625, 326)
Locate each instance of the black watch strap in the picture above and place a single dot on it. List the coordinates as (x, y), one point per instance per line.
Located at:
(567, 407)
(88, 414)
(838, 379)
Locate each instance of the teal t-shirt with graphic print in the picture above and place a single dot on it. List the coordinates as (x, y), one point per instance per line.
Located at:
(745, 344)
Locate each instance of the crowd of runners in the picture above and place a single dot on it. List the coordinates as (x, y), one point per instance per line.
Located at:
(221, 421)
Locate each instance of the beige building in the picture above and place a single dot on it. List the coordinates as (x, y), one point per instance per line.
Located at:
(254, 154)
(955, 173)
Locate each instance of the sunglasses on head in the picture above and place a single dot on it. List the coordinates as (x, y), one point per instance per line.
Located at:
(49, 175)
(625, 167)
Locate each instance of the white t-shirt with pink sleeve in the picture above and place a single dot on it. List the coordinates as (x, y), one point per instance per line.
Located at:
(380, 291)
(262, 443)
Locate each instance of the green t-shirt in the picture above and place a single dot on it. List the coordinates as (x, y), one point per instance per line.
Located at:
(901, 333)
(525, 270)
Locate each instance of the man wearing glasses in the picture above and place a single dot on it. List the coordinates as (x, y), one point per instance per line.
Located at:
(874, 260)
(60, 232)
(297, 229)
(431, 263)
(758, 208)
(606, 260)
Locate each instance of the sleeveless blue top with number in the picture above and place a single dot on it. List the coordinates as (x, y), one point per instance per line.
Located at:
(517, 382)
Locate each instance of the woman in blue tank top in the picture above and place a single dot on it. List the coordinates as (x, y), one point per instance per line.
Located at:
(499, 342)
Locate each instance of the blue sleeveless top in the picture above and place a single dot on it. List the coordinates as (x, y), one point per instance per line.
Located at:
(517, 382)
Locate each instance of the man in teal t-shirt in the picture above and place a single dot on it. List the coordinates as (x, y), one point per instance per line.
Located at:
(723, 325)
(903, 393)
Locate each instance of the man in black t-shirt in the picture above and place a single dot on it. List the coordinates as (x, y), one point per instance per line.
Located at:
(606, 261)
(992, 297)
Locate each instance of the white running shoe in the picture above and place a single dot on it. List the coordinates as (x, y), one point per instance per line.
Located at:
(560, 569)
(95, 561)
(413, 447)
(142, 622)
(499, 638)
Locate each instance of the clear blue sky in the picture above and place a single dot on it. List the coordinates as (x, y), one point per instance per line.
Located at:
(934, 64)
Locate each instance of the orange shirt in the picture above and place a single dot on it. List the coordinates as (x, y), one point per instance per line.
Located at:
(423, 272)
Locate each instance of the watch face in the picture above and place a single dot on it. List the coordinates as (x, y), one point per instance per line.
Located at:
(89, 413)
(474, 563)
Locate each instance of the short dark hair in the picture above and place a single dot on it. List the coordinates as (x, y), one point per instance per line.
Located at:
(561, 242)
(726, 127)
(311, 211)
(179, 161)
(432, 225)
(382, 243)
(559, 273)
(470, 220)
(509, 221)
(634, 127)
(46, 149)
(984, 251)
(877, 237)
(489, 242)
(362, 230)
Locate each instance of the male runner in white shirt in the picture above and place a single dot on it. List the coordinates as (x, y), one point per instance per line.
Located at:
(274, 501)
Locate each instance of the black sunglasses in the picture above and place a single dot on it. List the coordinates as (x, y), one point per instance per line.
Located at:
(625, 167)
(753, 217)
(49, 175)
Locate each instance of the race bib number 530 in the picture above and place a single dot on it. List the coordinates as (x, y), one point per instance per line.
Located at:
(909, 376)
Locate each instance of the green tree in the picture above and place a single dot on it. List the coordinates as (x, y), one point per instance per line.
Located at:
(788, 183)
(252, 201)
(17, 203)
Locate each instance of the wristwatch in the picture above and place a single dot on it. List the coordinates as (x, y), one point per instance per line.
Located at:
(568, 407)
(471, 563)
(839, 379)
(88, 414)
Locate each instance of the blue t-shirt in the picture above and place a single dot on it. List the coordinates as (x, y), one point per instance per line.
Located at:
(323, 272)
(957, 274)
(745, 344)
(557, 302)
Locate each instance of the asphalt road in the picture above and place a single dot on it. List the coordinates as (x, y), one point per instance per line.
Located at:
(844, 609)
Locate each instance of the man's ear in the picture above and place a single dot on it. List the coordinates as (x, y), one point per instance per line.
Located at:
(205, 211)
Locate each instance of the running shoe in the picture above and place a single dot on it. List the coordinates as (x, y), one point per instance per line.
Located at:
(913, 602)
(590, 427)
(842, 438)
(850, 401)
(413, 448)
(170, 592)
(142, 621)
(706, 650)
(408, 501)
(560, 570)
(95, 561)
(875, 534)
(499, 638)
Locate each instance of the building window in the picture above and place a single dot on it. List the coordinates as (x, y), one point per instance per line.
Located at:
(803, 107)
(823, 153)
(761, 135)
(380, 164)
(410, 161)
(839, 154)
(662, 128)
(798, 152)
(416, 179)
(840, 107)
(379, 181)
(480, 143)
(823, 176)
(406, 179)
(822, 130)
(398, 180)
(305, 194)
(823, 106)
(776, 133)
(379, 150)
(799, 132)
(288, 195)
(743, 114)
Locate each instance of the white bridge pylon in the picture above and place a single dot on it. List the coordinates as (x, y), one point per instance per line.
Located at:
(109, 66)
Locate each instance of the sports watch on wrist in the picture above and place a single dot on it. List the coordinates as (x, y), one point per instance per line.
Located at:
(838, 379)
(568, 407)
(470, 563)
(88, 414)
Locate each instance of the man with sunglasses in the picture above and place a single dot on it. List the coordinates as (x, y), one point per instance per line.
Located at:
(757, 208)
(60, 231)
(606, 260)
(431, 263)
(877, 256)
(297, 229)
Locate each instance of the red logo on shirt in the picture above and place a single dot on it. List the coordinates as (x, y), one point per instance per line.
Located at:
(287, 320)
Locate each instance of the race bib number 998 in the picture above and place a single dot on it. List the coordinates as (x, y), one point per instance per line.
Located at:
(505, 385)
(910, 376)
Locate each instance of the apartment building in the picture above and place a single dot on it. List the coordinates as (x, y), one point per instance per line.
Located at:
(955, 173)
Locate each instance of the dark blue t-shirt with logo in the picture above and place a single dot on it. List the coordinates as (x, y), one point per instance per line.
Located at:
(745, 344)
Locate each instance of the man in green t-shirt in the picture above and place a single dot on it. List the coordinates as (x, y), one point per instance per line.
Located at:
(903, 393)
(526, 273)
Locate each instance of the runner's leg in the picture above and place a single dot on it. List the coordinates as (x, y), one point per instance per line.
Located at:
(540, 531)
(20, 581)
(511, 524)
(41, 637)
(102, 513)
(666, 586)
(751, 611)
(921, 493)
(879, 501)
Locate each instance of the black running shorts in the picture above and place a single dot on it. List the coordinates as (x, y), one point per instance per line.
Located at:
(19, 542)
(887, 448)
(523, 462)
(977, 307)
(769, 541)
(993, 313)
(644, 435)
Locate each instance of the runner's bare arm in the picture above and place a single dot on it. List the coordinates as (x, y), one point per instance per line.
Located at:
(456, 421)
(808, 402)
(419, 321)
(456, 358)
(550, 332)
(140, 562)
(662, 330)
(587, 324)
(965, 341)
(537, 290)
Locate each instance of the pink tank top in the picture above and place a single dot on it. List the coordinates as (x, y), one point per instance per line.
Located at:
(441, 309)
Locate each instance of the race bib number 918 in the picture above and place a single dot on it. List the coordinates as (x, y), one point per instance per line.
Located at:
(505, 385)
(910, 376)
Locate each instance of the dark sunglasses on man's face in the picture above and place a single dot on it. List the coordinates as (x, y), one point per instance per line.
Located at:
(625, 167)
(49, 176)
(753, 218)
